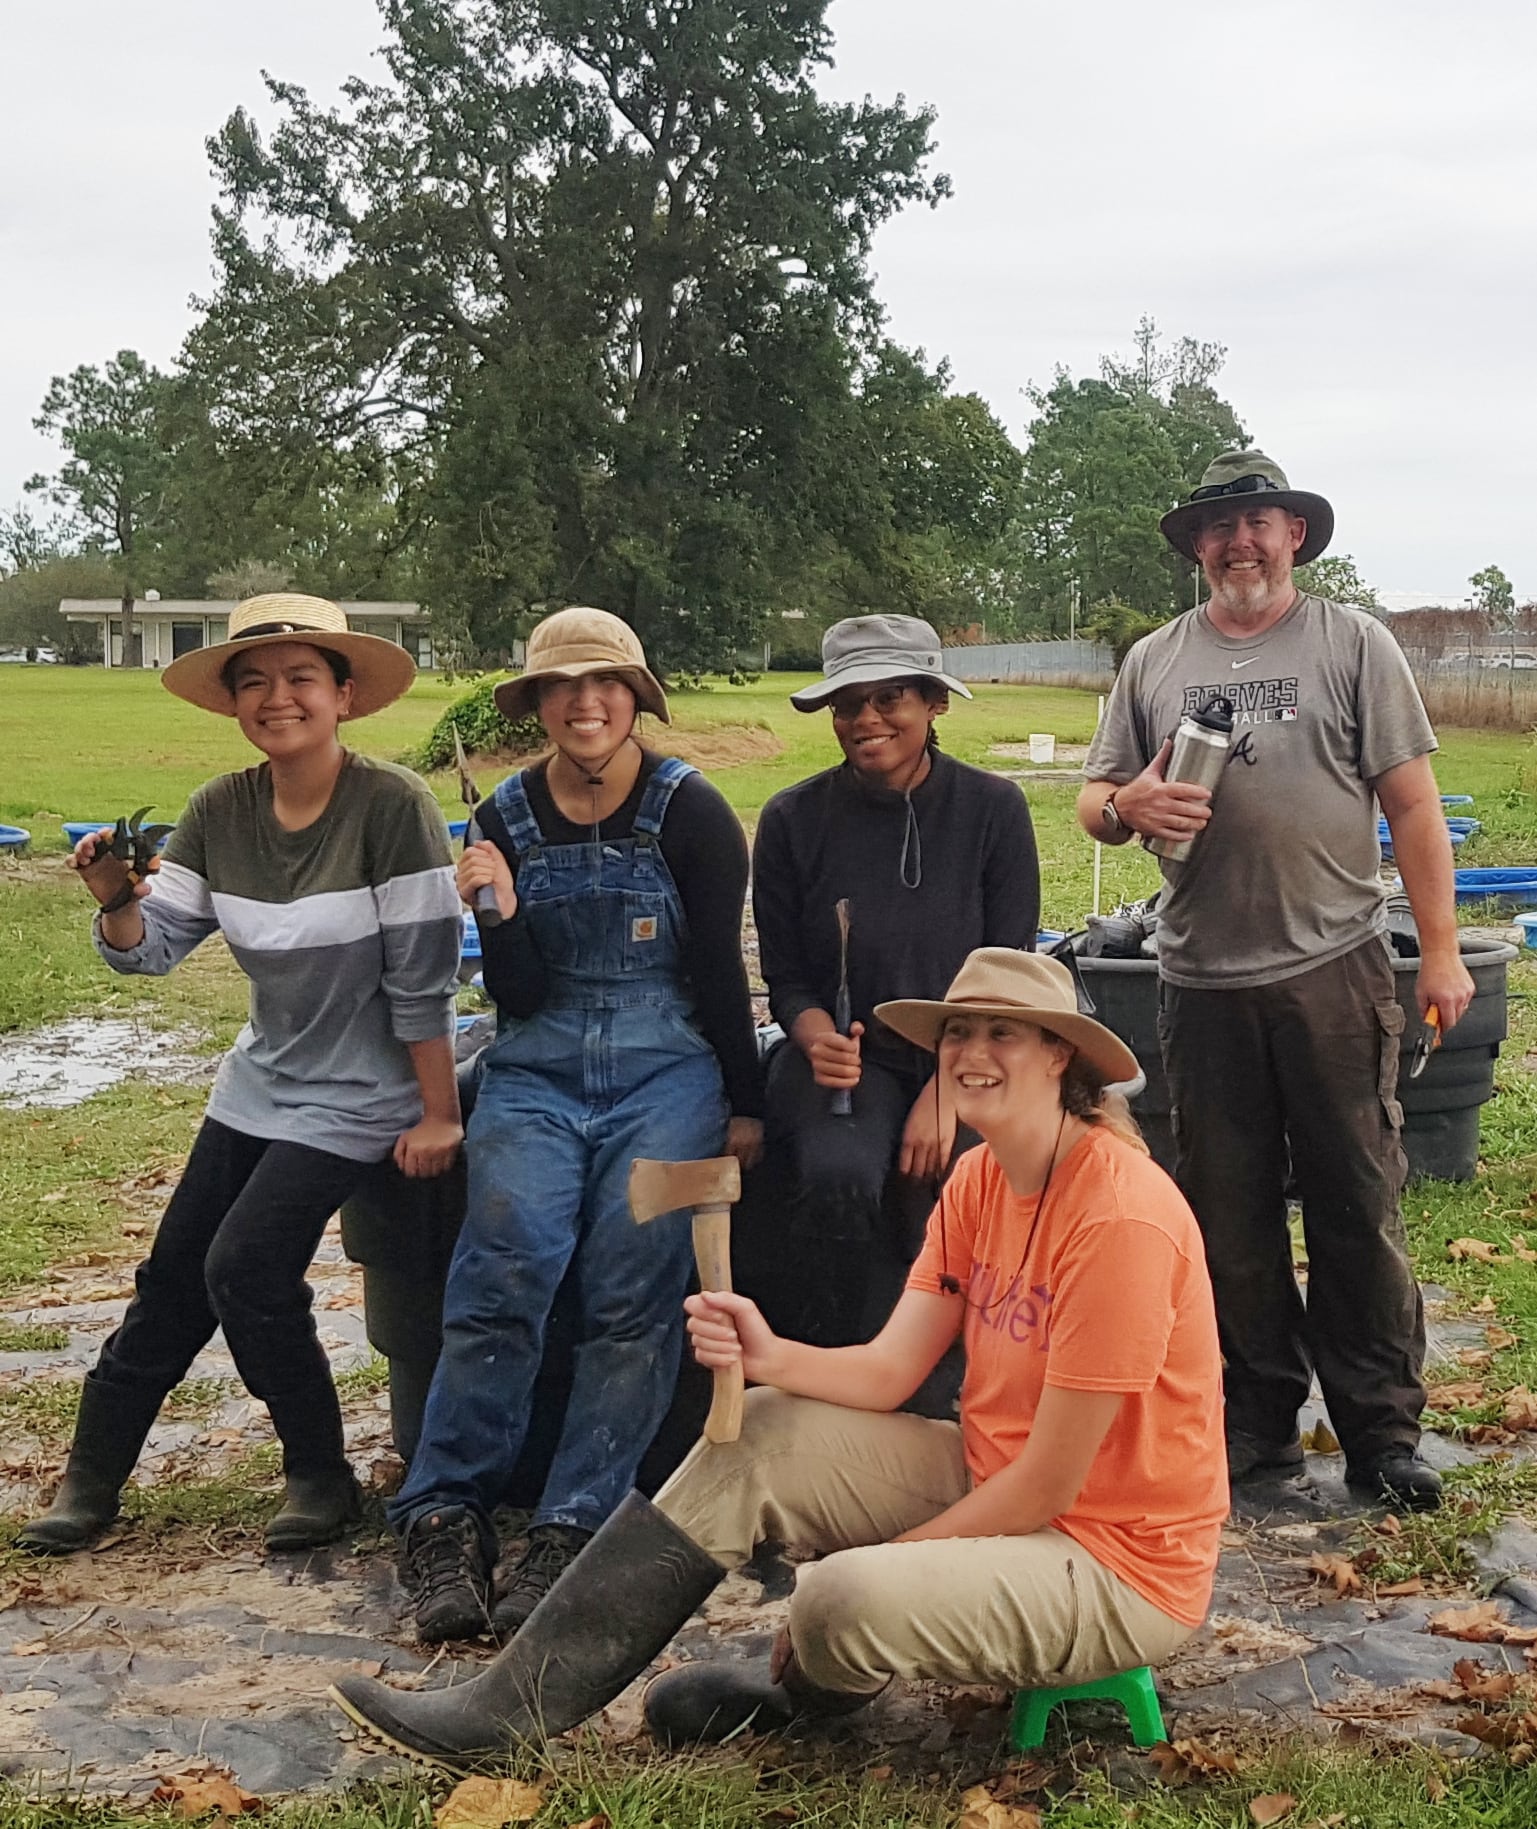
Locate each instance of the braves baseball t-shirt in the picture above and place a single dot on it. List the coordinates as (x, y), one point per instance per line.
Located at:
(1285, 876)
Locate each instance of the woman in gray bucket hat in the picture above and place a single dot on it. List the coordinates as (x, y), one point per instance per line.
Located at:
(930, 859)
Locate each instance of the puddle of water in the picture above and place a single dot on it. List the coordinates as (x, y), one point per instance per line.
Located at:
(68, 1061)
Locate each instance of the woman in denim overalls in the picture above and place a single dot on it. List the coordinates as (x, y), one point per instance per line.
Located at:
(609, 1004)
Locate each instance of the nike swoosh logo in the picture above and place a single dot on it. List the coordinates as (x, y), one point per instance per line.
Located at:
(1235, 665)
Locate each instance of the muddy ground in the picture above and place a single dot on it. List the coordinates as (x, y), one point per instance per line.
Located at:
(162, 1650)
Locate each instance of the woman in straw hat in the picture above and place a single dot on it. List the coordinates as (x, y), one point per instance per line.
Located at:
(330, 877)
(624, 1030)
(1065, 1528)
(931, 858)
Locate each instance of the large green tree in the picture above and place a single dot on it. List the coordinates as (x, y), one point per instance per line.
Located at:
(598, 274)
(1106, 458)
(113, 485)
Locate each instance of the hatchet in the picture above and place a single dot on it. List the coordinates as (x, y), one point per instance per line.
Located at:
(709, 1188)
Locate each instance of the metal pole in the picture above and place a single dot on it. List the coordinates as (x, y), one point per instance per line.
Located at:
(1099, 849)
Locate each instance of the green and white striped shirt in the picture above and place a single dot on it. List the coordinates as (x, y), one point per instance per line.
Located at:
(348, 932)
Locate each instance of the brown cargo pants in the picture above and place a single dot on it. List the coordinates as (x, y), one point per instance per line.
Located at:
(1300, 1078)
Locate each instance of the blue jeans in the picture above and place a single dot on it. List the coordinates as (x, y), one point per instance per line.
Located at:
(567, 1101)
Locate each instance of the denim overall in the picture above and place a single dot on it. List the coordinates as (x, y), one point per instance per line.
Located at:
(610, 1068)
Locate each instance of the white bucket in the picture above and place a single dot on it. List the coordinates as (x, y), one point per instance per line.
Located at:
(1043, 748)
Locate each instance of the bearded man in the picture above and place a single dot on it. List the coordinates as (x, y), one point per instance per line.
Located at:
(1278, 1020)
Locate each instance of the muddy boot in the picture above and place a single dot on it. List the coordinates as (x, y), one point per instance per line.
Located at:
(320, 1495)
(612, 1611)
(712, 1698)
(109, 1436)
(317, 1508)
(552, 1548)
(445, 1566)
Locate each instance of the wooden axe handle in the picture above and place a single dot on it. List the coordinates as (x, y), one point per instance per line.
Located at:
(712, 1254)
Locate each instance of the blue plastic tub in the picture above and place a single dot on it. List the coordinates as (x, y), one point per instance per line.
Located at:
(1456, 830)
(457, 828)
(14, 838)
(1528, 925)
(1511, 888)
(1047, 938)
(1456, 800)
(469, 944)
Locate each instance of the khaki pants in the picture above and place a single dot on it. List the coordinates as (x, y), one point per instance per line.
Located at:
(1017, 1612)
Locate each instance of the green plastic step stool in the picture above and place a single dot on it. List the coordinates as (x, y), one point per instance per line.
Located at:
(1133, 1689)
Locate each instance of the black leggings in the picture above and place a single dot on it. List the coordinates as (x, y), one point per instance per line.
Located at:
(231, 1251)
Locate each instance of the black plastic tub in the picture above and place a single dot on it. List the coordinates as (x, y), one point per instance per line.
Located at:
(1441, 1107)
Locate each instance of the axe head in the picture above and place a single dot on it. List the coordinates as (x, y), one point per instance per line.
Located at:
(662, 1187)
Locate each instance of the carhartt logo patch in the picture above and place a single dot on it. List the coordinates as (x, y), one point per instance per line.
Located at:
(643, 927)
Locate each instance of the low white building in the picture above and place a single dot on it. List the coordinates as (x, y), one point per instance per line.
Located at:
(168, 629)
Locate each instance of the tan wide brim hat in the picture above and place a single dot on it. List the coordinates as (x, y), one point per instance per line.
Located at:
(577, 641)
(381, 670)
(1025, 987)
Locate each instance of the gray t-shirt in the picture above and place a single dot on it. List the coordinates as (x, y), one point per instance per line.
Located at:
(1285, 877)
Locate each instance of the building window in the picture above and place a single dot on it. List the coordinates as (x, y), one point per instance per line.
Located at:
(185, 637)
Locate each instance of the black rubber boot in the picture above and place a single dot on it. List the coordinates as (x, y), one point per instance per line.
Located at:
(1397, 1477)
(317, 1508)
(552, 1548)
(712, 1698)
(109, 1436)
(596, 1630)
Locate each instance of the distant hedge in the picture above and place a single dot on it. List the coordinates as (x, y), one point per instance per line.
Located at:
(481, 727)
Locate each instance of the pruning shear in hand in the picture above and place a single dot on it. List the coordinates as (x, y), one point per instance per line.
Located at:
(1429, 1041)
(134, 844)
(486, 911)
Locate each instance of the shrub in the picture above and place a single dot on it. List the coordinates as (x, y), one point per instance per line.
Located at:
(481, 727)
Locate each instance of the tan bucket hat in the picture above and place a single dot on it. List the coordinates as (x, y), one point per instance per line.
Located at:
(1027, 987)
(381, 670)
(577, 641)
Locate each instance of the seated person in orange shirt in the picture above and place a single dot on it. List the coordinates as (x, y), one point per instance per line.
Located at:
(1066, 1528)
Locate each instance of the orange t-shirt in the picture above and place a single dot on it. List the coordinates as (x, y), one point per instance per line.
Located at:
(1112, 1295)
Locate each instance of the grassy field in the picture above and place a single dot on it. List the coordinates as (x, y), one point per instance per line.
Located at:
(78, 744)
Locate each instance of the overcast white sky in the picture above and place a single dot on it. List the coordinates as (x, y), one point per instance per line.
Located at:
(1344, 193)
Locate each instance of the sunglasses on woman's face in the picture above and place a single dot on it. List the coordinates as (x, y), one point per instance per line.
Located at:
(886, 699)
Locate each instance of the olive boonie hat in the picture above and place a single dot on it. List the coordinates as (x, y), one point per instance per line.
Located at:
(1026, 987)
(1254, 480)
(381, 670)
(862, 649)
(577, 641)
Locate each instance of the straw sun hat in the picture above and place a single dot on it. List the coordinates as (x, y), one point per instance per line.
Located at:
(381, 670)
(1026, 987)
(577, 641)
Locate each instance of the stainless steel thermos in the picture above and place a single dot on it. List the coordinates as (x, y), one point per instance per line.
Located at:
(1200, 754)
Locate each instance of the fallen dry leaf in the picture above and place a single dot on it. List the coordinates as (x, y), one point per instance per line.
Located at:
(1389, 1527)
(1338, 1569)
(981, 1810)
(192, 1794)
(1482, 1682)
(1486, 1433)
(1186, 1759)
(1475, 1358)
(1520, 1409)
(1326, 1822)
(879, 1774)
(600, 1821)
(1271, 1807)
(1474, 1250)
(1484, 1307)
(1461, 1394)
(1500, 1337)
(488, 1803)
(1501, 1730)
(1435, 1787)
(1321, 1439)
(29, 1648)
(1397, 1589)
(1480, 1624)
